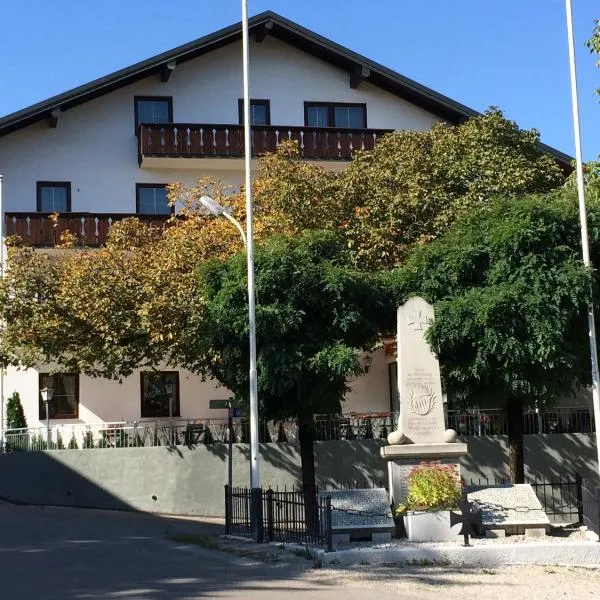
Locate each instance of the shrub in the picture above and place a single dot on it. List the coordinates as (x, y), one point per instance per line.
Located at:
(15, 417)
(60, 445)
(432, 486)
(88, 439)
(73, 442)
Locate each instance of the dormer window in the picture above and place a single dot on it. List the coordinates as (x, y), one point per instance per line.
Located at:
(153, 109)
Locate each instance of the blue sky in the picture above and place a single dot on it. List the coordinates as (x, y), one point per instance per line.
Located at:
(508, 53)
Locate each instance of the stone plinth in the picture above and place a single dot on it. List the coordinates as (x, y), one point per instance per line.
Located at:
(402, 458)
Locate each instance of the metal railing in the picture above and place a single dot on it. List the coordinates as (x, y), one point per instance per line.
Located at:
(284, 516)
(352, 426)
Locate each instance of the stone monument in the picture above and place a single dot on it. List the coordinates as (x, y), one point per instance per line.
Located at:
(421, 434)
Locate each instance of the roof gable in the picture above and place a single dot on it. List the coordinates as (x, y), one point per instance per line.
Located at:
(259, 25)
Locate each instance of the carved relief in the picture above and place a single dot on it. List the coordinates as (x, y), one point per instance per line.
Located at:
(421, 400)
(417, 321)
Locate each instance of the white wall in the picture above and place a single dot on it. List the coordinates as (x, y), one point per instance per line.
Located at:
(95, 148)
(106, 401)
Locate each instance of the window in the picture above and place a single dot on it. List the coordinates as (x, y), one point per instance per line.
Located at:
(153, 109)
(260, 112)
(157, 389)
(151, 199)
(327, 114)
(65, 398)
(53, 196)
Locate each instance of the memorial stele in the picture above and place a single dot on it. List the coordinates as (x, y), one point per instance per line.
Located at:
(421, 434)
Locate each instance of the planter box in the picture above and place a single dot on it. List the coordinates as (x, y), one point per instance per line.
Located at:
(430, 527)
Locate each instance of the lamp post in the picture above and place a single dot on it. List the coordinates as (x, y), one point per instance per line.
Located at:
(583, 225)
(170, 388)
(47, 394)
(214, 208)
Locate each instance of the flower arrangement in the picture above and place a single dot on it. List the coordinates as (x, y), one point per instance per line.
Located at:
(431, 486)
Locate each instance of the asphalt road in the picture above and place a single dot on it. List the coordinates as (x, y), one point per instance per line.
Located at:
(61, 553)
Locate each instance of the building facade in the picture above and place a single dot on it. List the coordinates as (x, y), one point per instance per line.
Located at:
(107, 149)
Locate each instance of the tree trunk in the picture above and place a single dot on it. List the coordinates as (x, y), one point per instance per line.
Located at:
(516, 463)
(307, 458)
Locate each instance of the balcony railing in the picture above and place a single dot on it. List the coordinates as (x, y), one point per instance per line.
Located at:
(188, 140)
(89, 229)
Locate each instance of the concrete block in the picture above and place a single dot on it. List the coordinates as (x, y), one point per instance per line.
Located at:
(535, 532)
(381, 538)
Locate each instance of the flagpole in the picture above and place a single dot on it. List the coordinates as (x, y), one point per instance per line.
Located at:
(583, 223)
(256, 504)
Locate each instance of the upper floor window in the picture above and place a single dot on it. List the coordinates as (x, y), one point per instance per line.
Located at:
(53, 196)
(335, 114)
(153, 109)
(260, 112)
(64, 403)
(151, 199)
(160, 393)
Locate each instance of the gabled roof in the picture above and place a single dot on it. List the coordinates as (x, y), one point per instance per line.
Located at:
(279, 27)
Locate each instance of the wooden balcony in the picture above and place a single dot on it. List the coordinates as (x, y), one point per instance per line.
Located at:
(181, 145)
(90, 229)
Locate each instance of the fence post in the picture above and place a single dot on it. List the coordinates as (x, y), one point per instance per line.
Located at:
(227, 509)
(579, 496)
(328, 528)
(256, 517)
(270, 523)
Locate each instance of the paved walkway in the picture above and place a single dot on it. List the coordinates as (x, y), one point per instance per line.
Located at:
(68, 554)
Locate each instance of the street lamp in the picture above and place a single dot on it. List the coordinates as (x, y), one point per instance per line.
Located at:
(47, 393)
(214, 208)
(169, 388)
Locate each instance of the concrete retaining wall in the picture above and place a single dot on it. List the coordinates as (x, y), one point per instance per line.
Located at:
(190, 481)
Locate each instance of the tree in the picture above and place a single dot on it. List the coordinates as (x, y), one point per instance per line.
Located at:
(315, 317)
(594, 42)
(15, 417)
(510, 293)
(410, 188)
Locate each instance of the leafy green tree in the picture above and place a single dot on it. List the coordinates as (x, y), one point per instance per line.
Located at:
(594, 42)
(510, 294)
(314, 318)
(15, 416)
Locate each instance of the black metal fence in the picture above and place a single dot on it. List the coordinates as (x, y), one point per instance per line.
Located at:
(283, 517)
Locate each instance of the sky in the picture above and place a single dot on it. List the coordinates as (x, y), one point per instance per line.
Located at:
(507, 53)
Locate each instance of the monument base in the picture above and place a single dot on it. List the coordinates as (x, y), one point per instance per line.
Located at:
(402, 458)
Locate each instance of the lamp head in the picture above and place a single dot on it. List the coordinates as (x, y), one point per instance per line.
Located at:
(212, 206)
(47, 393)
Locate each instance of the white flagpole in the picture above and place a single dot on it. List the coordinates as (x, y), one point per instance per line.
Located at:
(583, 221)
(254, 471)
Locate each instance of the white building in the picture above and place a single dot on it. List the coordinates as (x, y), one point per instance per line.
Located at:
(107, 149)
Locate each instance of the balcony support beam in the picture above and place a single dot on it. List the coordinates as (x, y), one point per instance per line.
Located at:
(358, 76)
(53, 118)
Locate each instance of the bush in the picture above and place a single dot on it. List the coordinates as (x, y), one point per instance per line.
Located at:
(432, 486)
(73, 442)
(88, 439)
(15, 417)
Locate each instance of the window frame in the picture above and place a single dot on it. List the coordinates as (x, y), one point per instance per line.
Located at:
(176, 403)
(256, 101)
(141, 186)
(38, 192)
(168, 99)
(331, 112)
(42, 405)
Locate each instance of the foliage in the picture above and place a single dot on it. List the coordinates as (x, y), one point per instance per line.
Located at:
(73, 442)
(88, 439)
(510, 294)
(60, 445)
(15, 416)
(431, 486)
(313, 319)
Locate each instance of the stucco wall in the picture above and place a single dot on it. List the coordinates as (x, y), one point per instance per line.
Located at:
(106, 401)
(190, 481)
(94, 145)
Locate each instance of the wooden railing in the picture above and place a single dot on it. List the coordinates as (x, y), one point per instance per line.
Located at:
(89, 229)
(177, 140)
